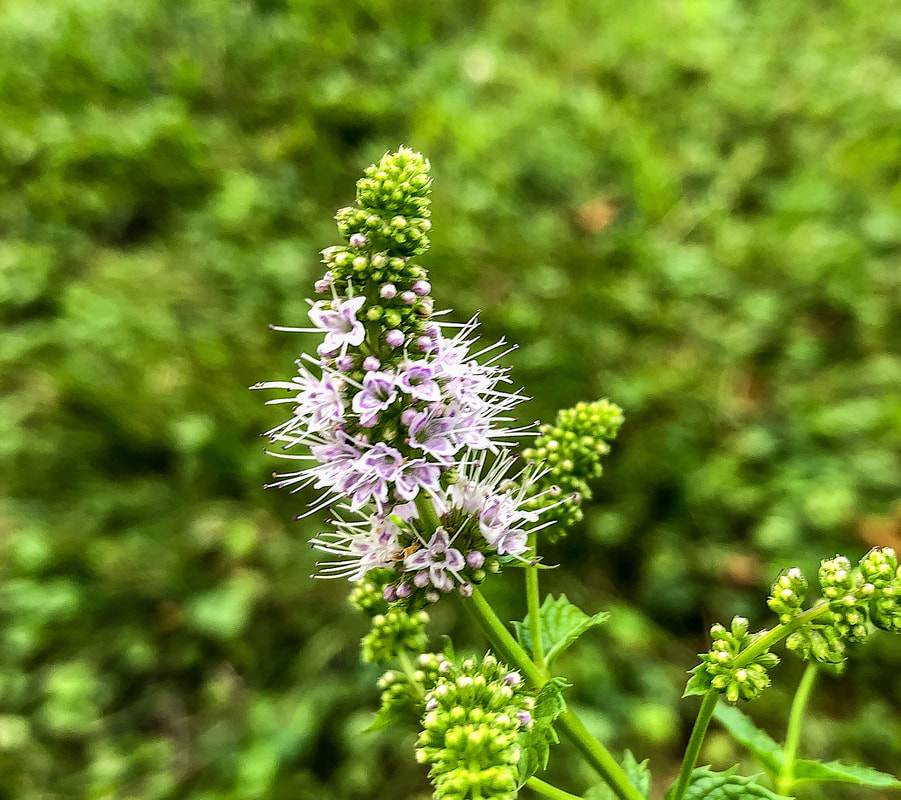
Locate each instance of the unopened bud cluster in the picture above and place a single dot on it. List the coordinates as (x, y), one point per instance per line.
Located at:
(395, 632)
(403, 696)
(879, 569)
(718, 668)
(474, 716)
(572, 449)
(368, 594)
(788, 593)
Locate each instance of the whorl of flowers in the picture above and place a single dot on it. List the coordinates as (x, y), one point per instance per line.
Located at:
(572, 449)
(394, 417)
(395, 632)
(719, 669)
(471, 728)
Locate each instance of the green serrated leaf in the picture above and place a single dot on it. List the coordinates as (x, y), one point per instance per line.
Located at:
(384, 718)
(708, 785)
(561, 624)
(768, 752)
(698, 683)
(637, 772)
(835, 772)
(535, 743)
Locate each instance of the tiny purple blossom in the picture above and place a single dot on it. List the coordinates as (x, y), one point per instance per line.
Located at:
(439, 558)
(340, 322)
(371, 363)
(394, 338)
(475, 559)
(418, 380)
(377, 394)
(433, 435)
(415, 475)
(422, 288)
(358, 240)
(344, 363)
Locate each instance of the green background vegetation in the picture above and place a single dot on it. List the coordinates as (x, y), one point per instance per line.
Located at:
(689, 207)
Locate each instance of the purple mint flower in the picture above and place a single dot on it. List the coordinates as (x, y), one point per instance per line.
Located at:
(424, 344)
(512, 541)
(344, 363)
(377, 394)
(525, 718)
(381, 460)
(422, 288)
(320, 403)
(358, 240)
(475, 559)
(439, 558)
(432, 434)
(340, 322)
(418, 380)
(394, 338)
(371, 363)
(415, 475)
(373, 472)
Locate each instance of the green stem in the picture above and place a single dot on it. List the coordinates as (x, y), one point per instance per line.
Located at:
(777, 634)
(546, 790)
(533, 599)
(427, 514)
(598, 756)
(512, 652)
(793, 736)
(708, 704)
(507, 647)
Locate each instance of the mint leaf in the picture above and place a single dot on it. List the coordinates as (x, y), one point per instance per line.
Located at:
(836, 772)
(561, 624)
(698, 683)
(638, 775)
(708, 785)
(746, 733)
(536, 741)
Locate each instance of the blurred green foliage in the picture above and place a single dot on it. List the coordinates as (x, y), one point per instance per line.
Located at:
(690, 207)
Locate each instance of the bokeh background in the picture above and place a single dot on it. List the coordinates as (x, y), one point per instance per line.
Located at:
(690, 207)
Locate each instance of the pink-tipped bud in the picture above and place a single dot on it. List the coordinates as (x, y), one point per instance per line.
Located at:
(394, 338)
(371, 363)
(389, 594)
(344, 363)
(475, 559)
(409, 298)
(404, 590)
(465, 590)
(321, 286)
(424, 344)
(358, 240)
(422, 288)
(387, 291)
(513, 679)
(406, 416)
(421, 578)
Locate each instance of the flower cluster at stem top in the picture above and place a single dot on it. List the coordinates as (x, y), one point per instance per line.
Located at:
(400, 419)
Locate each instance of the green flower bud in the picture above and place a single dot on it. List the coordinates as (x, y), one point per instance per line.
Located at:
(393, 633)
(718, 669)
(474, 716)
(572, 448)
(787, 596)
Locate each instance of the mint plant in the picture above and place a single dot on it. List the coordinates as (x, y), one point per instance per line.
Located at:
(402, 425)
